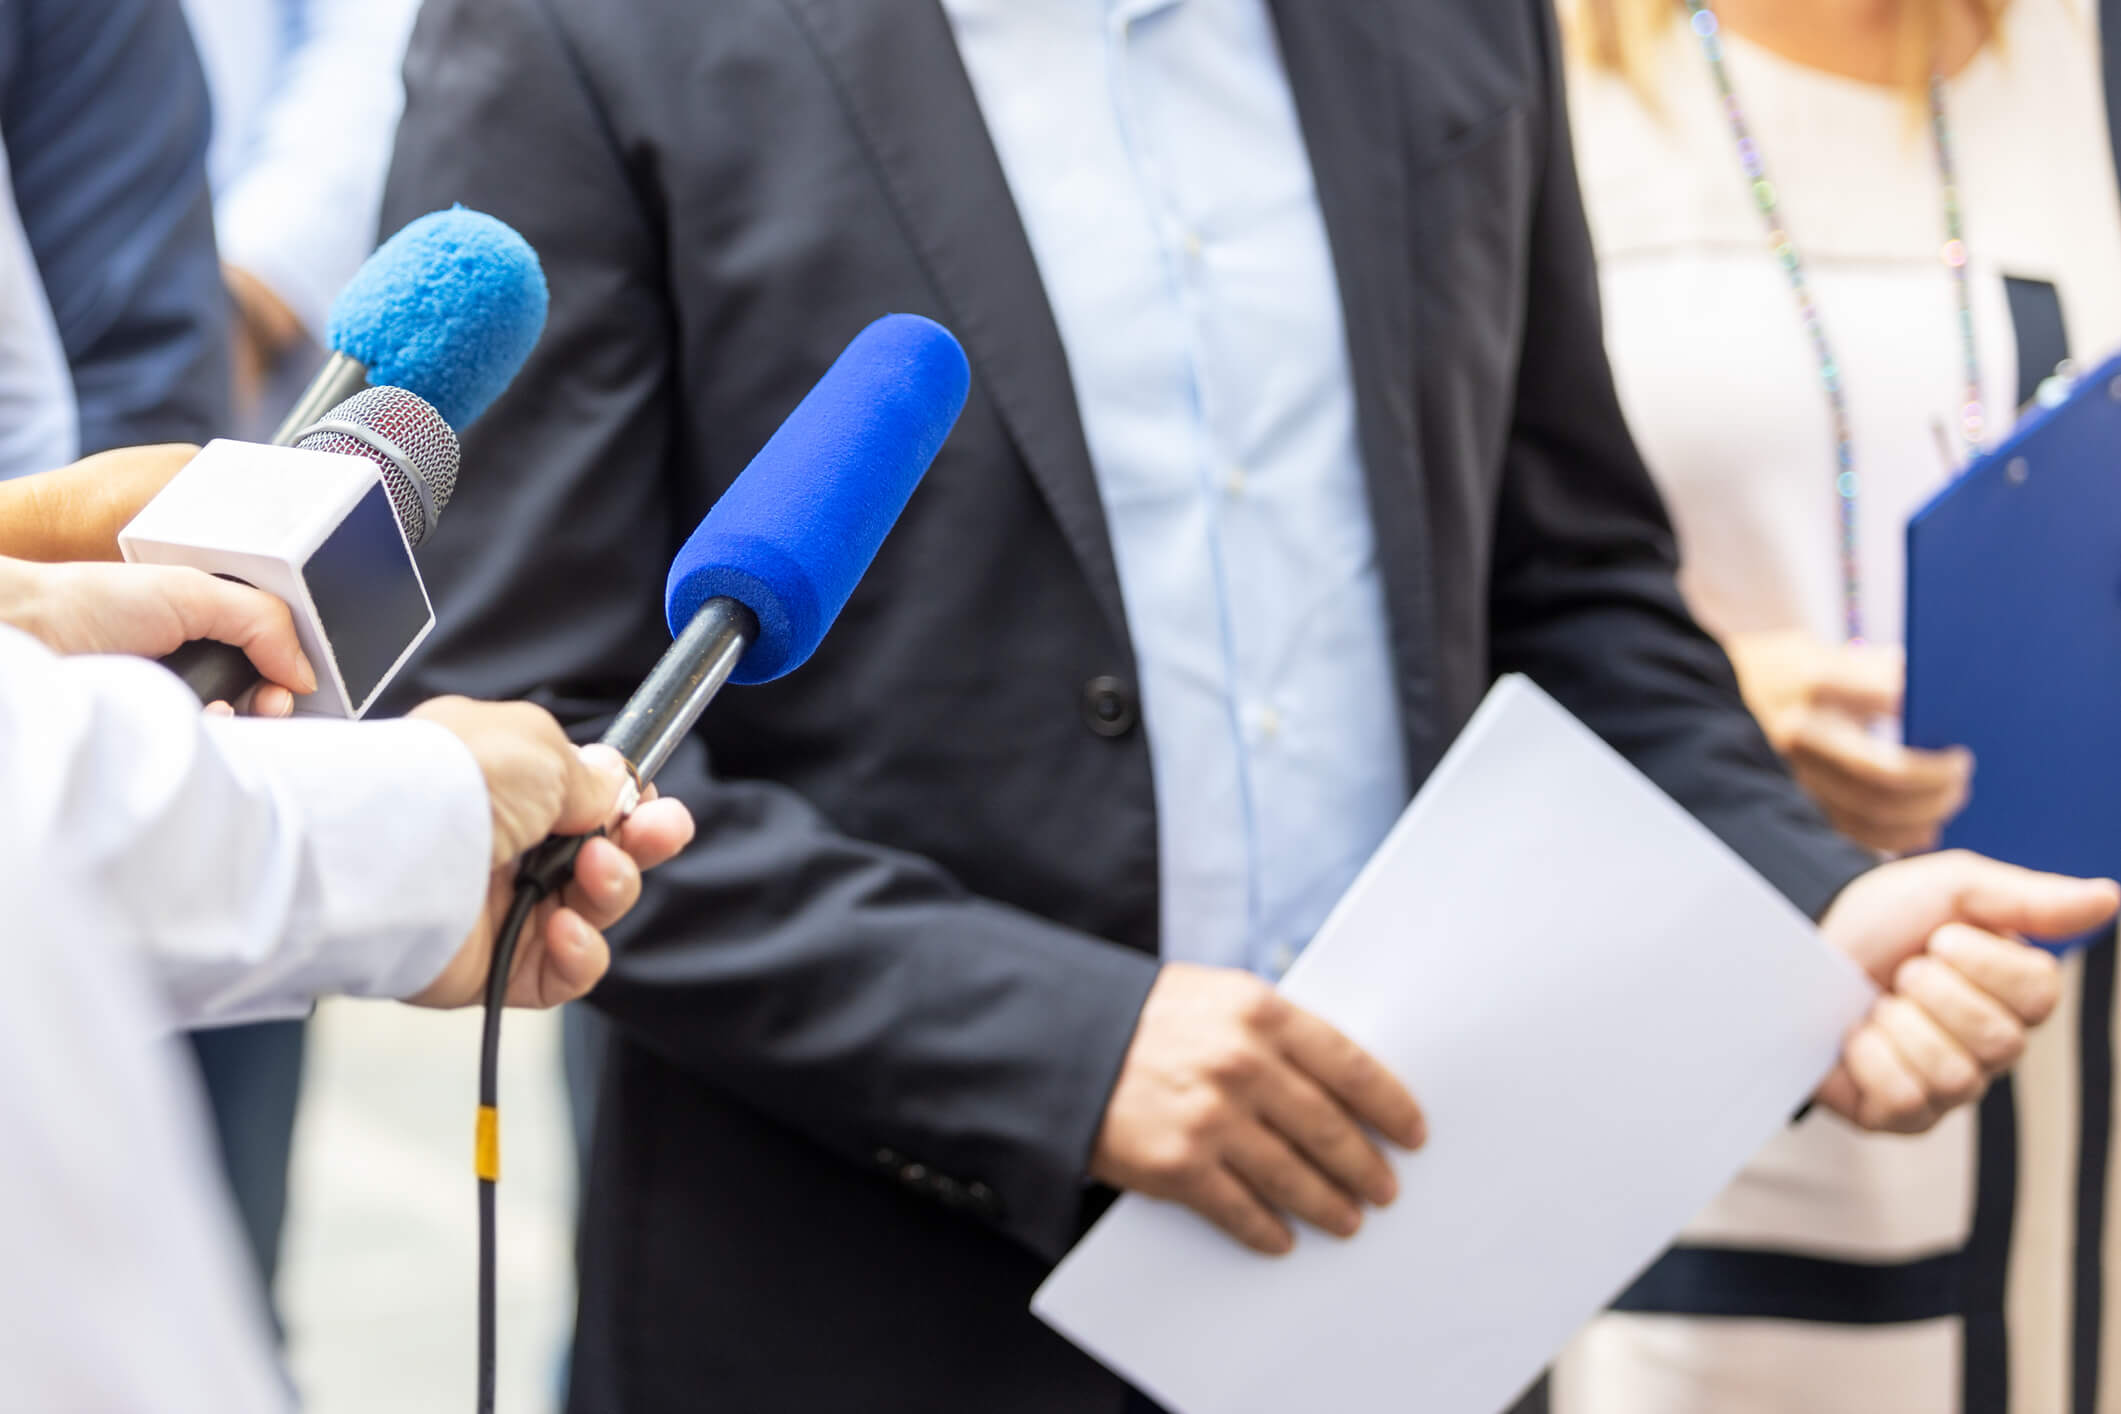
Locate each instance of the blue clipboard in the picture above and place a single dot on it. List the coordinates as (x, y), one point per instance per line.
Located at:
(2014, 635)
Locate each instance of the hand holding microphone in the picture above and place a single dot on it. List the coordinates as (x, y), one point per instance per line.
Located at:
(148, 610)
(539, 784)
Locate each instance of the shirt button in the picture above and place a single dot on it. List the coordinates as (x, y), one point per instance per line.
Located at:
(1268, 721)
(1193, 245)
(1281, 960)
(1234, 482)
(1109, 706)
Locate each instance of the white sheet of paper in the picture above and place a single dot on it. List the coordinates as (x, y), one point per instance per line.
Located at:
(1604, 1012)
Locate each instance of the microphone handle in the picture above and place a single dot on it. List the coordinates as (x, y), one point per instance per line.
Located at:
(659, 715)
(216, 672)
(339, 379)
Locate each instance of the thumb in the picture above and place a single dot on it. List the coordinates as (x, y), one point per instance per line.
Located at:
(2006, 899)
(596, 778)
(248, 618)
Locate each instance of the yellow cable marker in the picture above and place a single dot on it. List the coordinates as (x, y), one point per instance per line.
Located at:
(487, 1150)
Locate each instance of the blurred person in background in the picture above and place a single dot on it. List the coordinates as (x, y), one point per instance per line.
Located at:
(305, 97)
(113, 322)
(1841, 242)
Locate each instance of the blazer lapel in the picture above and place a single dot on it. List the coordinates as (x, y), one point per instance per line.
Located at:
(897, 68)
(1340, 57)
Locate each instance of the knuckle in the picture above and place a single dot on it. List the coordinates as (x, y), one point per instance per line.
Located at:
(1236, 1067)
(1899, 1112)
(1958, 1081)
(1326, 1136)
(1282, 1181)
(1914, 975)
(1200, 1120)
(2003, 1047)
(1175, 1164)
(1262, 1008)
(2043, 990)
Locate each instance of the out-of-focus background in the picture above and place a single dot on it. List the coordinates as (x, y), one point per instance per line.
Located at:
(376, 1276)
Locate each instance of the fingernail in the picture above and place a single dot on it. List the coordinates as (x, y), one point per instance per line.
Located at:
(306, 673)
(604, 760)
(579, 935)
(1386, 1189)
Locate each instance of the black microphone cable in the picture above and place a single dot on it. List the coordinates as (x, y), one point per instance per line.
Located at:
(487, 1145)
(655, 719)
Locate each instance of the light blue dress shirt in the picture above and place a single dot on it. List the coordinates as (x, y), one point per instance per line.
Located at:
(1154, 153)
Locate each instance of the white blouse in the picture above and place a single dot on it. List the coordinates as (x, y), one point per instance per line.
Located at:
(1715, 371)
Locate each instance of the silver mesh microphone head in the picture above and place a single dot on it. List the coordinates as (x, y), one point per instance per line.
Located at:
(407, 440)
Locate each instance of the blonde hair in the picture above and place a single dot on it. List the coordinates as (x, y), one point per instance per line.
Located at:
(1620, 36)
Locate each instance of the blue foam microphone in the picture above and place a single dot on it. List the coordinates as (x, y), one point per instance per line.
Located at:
(448, 308)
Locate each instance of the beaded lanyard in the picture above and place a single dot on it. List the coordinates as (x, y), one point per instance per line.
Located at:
(1846, 485)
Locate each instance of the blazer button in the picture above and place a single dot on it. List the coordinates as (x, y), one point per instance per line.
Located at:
(1109, 706)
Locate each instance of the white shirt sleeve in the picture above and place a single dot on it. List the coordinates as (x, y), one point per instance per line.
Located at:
(301, 212)
(257, 865)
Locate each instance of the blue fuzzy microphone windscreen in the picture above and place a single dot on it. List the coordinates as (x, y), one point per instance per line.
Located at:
(798, 528)
(447, 308)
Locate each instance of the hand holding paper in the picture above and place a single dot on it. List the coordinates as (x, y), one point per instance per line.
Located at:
(1243, 1106)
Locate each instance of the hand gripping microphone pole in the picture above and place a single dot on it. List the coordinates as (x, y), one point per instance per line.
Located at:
(749, 598)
